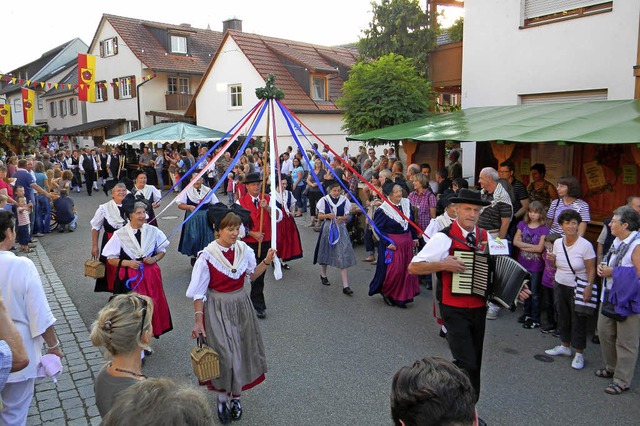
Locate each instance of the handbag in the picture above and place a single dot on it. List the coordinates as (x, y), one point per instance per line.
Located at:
(205, 361)
(587, 308)
(608, 309)
(94, 268)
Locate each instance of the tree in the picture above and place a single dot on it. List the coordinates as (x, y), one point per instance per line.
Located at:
(400, 27)
(19, 138)
(455, 30)
(383, 93)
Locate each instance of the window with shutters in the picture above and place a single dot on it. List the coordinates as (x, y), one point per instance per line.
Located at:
(125, 87)
(39, 101)
(53, 111)
(63, 107)
(109, 47)
(540, 12)
(17, 105)
(178, 85)
(73, 106)
(179, 44)
(235, 96)
(101, 91)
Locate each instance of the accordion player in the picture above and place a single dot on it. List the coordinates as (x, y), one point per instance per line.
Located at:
(498, 279)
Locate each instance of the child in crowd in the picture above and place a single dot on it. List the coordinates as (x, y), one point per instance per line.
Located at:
(530, 238)
(4, 205)
(548, 276)
(23, 224)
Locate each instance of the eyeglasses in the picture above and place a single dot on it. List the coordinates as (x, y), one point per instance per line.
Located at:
(144, 313)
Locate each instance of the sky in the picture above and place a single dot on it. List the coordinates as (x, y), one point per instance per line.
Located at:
(46, 24)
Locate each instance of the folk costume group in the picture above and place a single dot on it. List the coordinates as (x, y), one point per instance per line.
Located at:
(231, 246)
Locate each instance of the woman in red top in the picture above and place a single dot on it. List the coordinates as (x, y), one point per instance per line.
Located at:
(5, 186)
(223, 310)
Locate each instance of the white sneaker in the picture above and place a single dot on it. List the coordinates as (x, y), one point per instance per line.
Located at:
(578, 362)
(493, 312)
(559, 350)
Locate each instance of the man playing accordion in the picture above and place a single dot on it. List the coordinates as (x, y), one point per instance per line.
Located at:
(463, 315)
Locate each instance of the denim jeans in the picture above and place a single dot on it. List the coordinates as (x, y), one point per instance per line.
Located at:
(532, 304)
(43, 221)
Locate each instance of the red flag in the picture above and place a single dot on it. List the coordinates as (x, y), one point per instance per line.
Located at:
(86, 77)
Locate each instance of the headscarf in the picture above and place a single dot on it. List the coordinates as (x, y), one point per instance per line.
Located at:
(218, 211)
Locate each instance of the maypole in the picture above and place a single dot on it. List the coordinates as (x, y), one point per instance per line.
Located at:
(269, 93)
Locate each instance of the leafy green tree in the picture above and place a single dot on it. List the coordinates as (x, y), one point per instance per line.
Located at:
(383, 93)
(455, 30)
(400, 27)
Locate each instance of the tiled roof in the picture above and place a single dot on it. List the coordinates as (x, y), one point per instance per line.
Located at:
(80, 129)
(139, 37)
(32, 68)
(268, 54)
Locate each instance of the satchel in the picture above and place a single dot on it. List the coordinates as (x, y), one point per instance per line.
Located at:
(205, 361)
(609, 309)
(581, 307)
(94, 268)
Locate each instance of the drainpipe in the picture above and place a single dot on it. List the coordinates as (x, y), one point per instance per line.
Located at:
(138, 101)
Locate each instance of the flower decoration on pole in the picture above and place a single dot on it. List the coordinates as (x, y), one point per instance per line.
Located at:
(270, 91)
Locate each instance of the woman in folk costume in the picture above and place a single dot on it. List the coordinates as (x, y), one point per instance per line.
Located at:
(136, 250)
(108, 217)
(334, 246)
(196, 233)
(289, 245)
(224, 313)
(148, 192)
(393, 280)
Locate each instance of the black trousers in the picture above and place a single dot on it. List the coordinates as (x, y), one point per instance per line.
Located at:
(257, 286)
(465, 334)
(89, 178)
(572, 326)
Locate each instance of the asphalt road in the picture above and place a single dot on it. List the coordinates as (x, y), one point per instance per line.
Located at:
(331, 357)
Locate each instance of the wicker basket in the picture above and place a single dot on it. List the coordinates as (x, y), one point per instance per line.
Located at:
(94, 268)
(205, 361)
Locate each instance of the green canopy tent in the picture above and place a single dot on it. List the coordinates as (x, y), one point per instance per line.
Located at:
(167, 132)
(604, 122)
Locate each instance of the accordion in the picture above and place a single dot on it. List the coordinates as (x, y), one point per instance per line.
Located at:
(496, 278)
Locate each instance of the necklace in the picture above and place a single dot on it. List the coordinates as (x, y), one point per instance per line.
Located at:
(122, 370)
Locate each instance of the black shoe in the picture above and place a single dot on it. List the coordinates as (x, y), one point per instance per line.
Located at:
(286, 266)
(324, 280)
(548, 329)
(262, 314)
(148, 352)
(595, 340)
(193, 261)
(236, 409)
(555, 333)
(443, 334)
(401, 305)
(347, 290)
(530, 324)
(522, 319)
(388, 300)
(224, 414)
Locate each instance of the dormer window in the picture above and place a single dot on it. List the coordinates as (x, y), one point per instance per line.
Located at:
(179, 44)
(319, 87)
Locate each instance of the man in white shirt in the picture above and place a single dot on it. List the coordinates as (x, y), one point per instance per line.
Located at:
(287, 165)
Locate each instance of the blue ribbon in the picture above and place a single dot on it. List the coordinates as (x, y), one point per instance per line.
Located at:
(289, 119)
(334, 233)
(139, 276)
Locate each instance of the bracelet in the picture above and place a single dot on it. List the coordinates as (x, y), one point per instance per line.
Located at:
(267, 264)
(54, 346)
(198, 312)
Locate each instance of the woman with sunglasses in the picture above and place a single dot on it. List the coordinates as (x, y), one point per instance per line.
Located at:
(223, 311)
(124, 328)
(135, 251)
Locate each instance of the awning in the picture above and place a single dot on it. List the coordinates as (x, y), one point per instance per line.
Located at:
(81, 129)
(606, 122)
(167, 132)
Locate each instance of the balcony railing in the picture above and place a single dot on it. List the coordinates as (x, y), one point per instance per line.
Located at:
(178, 101)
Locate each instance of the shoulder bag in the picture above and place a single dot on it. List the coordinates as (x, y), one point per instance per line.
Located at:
(587, 308)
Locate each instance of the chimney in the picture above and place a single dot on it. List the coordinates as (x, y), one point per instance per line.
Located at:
(232, 24)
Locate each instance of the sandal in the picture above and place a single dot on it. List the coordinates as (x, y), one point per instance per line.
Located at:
(603, 373)
(615, 389)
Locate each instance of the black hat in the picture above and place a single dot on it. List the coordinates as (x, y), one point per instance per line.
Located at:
(252, 178)
(130, 200)
(470, 196)
(218, 211)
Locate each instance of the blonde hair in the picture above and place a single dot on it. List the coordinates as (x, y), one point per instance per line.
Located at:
(118, 327)
(3, 198)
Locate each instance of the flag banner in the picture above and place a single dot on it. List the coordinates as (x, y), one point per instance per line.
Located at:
(86, 77)
(28, 100)
(5, 114)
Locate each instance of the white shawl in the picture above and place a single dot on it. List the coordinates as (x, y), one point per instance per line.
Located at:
(112, 214)
(130, 244)
(213, 254)
(393, 214)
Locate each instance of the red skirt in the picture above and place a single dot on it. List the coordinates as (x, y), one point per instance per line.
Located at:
(398, 283)
(151, 285)
(288, 245)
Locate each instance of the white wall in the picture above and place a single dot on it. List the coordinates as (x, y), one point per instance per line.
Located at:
(501, 61)
(233, 67)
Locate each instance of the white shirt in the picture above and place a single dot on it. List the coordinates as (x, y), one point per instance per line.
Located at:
(287, 167)
(27, 306)
(578, 252)
(437, 248)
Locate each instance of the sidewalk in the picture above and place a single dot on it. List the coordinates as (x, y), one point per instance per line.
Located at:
(71, 401)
